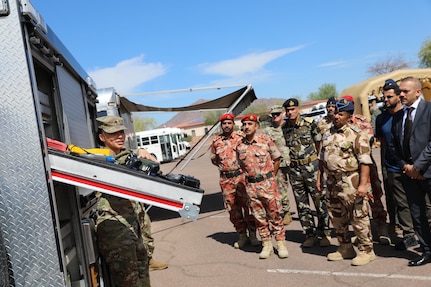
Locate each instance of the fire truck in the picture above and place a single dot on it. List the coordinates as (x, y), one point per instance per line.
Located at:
(47, 196)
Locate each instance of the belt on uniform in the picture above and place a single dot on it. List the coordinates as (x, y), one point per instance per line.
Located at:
(259, 178)
(230, 174)
(307, 160)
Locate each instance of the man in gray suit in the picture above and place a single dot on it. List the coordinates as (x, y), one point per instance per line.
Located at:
(411, 130)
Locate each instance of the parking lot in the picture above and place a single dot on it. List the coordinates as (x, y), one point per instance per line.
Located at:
(200, 253)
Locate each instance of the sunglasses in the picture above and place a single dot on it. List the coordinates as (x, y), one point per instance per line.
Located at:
(275, 114)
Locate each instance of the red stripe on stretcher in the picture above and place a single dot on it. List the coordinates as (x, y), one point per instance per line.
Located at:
(116, 189)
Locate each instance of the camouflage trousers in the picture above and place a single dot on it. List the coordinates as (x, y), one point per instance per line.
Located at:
(303, 180)
(125, 253)
(145, 225)
(377, 209)
(283, 185)
(346, 208)
(236, 202)
(266, 208)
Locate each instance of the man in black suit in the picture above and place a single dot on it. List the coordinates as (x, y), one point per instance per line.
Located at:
(411, 129)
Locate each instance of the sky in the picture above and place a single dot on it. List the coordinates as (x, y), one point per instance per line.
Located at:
(282, 48)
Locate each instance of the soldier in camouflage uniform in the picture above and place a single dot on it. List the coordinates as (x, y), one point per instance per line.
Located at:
(259, 158)
(123, 226)
(232, 181)
(378, 211)
(276, 133)
(346, 159)
(303, 139)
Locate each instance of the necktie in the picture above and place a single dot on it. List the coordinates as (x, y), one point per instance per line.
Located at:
(407, 132)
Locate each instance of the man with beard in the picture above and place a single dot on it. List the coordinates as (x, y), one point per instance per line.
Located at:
(396, 200)
(259, 157)
(232, 181)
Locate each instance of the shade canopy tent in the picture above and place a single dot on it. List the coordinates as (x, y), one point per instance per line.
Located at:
(374, 86)
(236, 102)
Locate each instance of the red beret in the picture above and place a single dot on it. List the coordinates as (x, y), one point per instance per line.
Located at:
(250, 117)
(226, 117)
(349, 98)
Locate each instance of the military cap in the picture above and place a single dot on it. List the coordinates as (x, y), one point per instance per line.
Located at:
(250, 117)
(276, 109)
(349, 98)
(391, 84)
(331, 101)
(111, 124)
(291, 103)
(226, 117)
(344, 105)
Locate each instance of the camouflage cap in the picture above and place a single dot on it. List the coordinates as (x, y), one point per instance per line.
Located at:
(276, 109)
(111, 124)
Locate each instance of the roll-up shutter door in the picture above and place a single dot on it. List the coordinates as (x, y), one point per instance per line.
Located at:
(74, 108)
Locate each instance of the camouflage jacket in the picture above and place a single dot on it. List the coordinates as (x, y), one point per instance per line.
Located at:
(256, 157)
(344, 149)
(301, 137)
(111, 207)
(223, 150)
(276, 134)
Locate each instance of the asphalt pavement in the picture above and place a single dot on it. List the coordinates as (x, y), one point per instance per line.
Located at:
(200, 253)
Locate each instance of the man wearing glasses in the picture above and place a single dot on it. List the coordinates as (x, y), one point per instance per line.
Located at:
(396, 200)
(276, 133)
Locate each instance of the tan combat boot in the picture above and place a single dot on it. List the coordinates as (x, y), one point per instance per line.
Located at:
(253, 239)
(344, 251)
(282, 249)
(242, 241)
(154, 265)
(363, 258)
(267, 249)
(287, 219)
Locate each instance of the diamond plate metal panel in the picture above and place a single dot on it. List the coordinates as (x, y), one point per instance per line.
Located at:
(26, 221)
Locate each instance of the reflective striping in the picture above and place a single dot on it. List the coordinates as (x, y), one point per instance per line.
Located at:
(347, 274)
(113, 190)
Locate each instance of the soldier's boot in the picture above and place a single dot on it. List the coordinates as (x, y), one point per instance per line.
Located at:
(287, 219)
(383, 234)
(242, 241)
(282, 249)
(253, 239)
(310, 241)
(363, 258)
(344, 251)
(154, 265)
(326, 239)
(267, 249)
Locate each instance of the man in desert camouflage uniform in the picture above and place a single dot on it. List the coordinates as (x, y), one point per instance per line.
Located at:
(346, 159)
(303, 139)
(276, 133)
(326, 122)
(259, 158)
(378, 211)
(232, 181)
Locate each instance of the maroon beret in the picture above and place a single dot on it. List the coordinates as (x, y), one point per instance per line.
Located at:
(226, 117)
(250, 117)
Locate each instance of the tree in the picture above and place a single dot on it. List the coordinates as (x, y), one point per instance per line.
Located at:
(144, 123)
(390, 64)
(325, 92)
(425, 54)
(210, 118)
